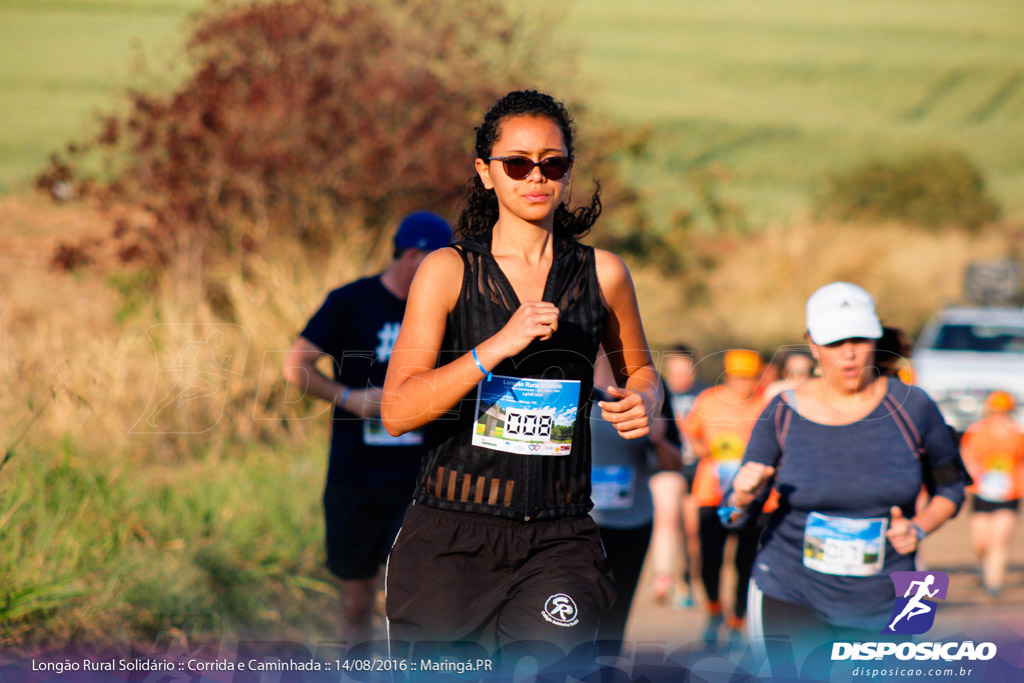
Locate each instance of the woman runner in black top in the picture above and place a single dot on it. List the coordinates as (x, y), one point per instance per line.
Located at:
(495, 357)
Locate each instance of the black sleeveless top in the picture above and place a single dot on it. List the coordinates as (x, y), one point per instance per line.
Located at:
(457, 474)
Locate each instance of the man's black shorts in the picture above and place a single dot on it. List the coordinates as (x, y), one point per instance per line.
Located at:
(361, 524)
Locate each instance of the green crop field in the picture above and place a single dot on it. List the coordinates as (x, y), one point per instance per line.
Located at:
(778, 92)
(63, 61)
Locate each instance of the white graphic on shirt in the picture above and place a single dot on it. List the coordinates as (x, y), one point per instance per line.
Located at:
(387, 335)
(560, 610)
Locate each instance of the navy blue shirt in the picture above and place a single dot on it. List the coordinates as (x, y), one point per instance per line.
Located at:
(357, 326)
(843, 475)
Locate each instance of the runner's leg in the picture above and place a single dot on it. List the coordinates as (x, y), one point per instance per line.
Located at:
(667, 490)
(691, 543)
(358, 597)
(981, 530)
(712, 549)
(746, 548)
(1000, 532)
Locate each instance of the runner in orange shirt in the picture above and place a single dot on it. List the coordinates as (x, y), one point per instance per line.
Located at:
(719, 427)
(993, 451)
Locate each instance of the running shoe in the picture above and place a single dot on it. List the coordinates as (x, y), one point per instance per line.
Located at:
(736, 627)
(683, 600)
(715, 622)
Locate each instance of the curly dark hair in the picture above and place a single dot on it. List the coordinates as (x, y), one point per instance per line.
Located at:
(480, 208)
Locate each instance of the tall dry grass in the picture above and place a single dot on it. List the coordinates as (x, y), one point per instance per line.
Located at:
(93, 376)
(109, 530)
(754, 297)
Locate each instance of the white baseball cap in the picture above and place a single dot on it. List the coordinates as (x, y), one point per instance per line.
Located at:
(841, 310)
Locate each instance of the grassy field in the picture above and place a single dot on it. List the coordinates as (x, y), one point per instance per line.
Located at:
(778, 93)
(64, 61)
(107, 547)
(783, 91)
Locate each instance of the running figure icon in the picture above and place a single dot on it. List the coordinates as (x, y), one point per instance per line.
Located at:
(915, 606)
(190, 371)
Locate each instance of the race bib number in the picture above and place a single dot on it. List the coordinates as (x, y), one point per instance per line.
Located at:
(727, 447)
(844, 547)
(727, 455)
(995, 484)
(374, 434)
(612, 487)
(681, 406)
(526, 416)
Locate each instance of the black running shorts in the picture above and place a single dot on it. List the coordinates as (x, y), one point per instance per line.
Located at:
(979, 504)
(460, 576)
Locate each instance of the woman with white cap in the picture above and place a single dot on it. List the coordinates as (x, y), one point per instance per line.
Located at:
(847, 453)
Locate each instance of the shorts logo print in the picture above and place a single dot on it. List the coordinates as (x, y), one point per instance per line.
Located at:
(560, 610)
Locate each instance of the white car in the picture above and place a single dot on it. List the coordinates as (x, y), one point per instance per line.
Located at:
(963, 354)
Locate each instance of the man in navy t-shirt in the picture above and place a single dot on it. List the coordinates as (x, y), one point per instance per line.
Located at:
(370, 475)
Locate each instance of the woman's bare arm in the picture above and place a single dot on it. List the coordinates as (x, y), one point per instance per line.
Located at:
(626, 345)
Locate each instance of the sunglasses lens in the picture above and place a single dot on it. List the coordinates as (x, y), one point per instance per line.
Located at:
(518, 168)
(555, 168)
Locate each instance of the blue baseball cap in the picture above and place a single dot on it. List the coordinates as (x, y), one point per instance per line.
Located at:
(423, 230)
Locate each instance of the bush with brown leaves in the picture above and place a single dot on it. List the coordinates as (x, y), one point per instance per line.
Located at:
(309, 120)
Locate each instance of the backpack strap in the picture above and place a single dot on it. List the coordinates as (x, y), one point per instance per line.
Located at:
(933, 476)
(911, 434)
(783, 416)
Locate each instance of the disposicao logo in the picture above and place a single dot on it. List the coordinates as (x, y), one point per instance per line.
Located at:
(916, 592)
(913, 614)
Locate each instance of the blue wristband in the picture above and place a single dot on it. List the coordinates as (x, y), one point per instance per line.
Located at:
(726, 513)
(481, 365)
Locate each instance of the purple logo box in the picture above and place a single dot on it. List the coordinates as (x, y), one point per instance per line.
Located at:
(916, 593)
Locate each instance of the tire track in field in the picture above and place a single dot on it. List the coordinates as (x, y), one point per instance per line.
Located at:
(100, 8)
(938, 92)
(746, 139)
(998, 100)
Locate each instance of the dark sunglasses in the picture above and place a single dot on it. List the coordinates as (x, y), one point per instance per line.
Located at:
(520, 168)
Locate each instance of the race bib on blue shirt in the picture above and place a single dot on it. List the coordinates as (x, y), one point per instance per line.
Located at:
(843, 546)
